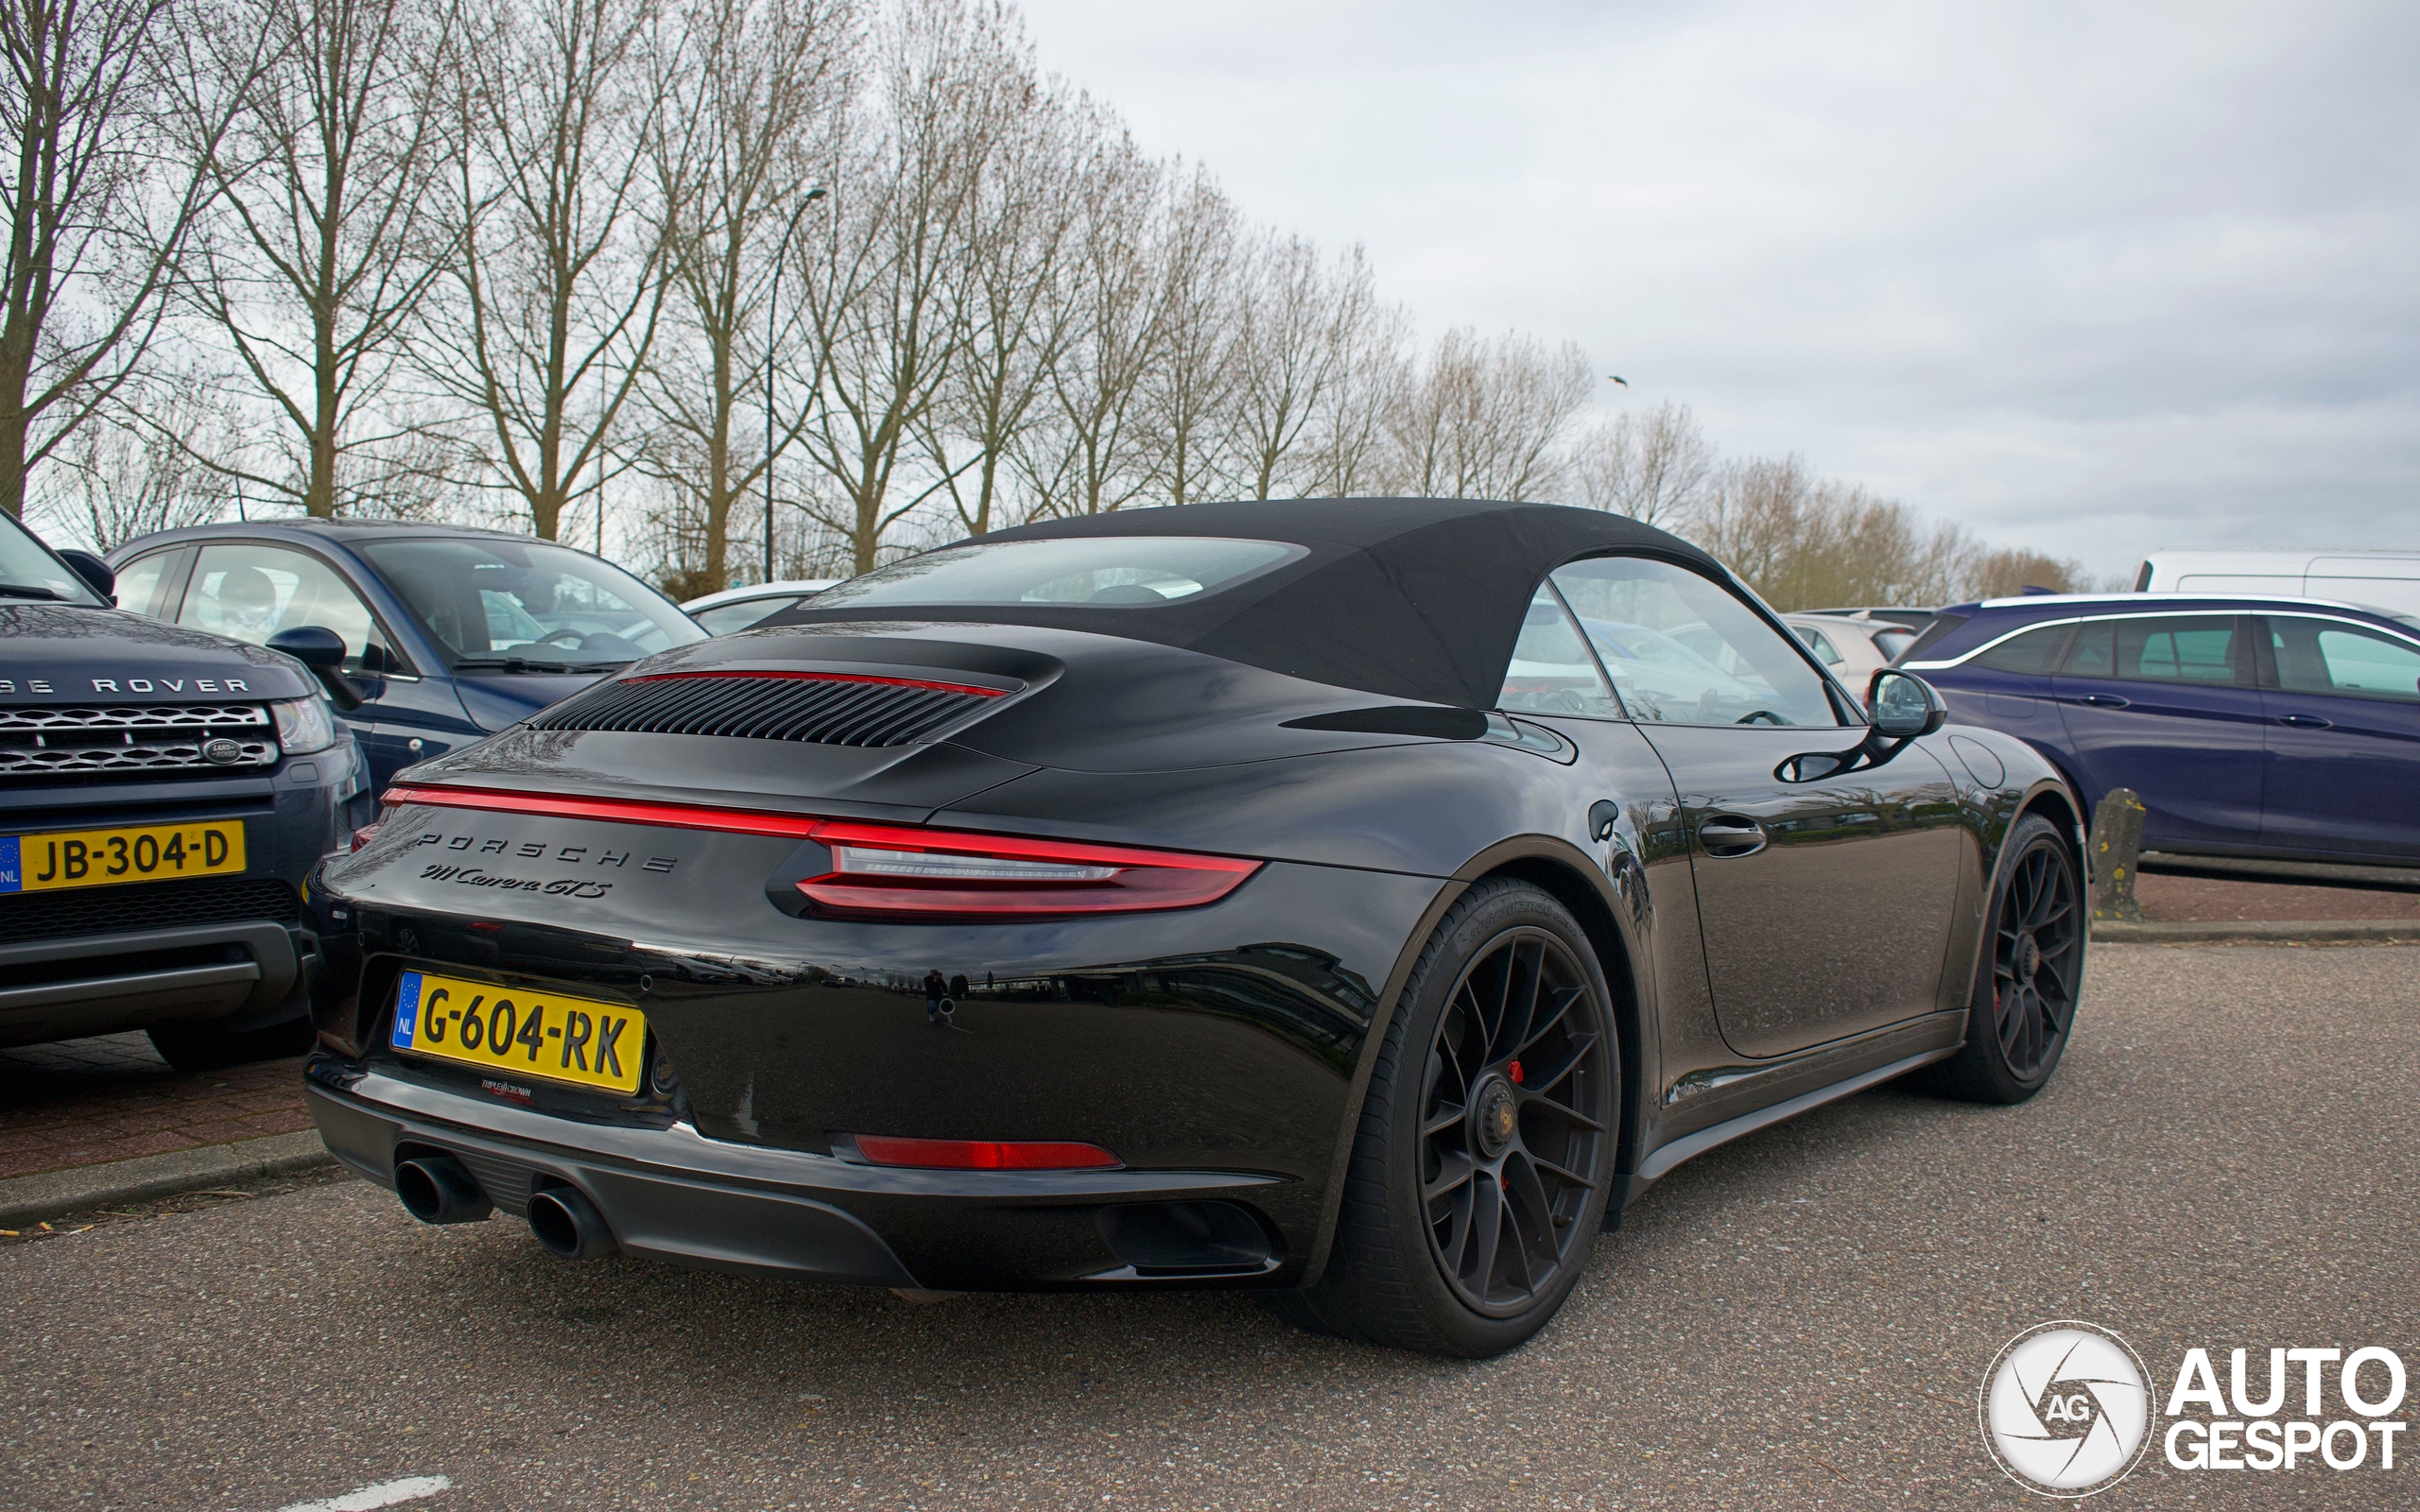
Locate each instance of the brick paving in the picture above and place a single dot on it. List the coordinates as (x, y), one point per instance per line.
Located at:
(82, 1102)
(2182, 900)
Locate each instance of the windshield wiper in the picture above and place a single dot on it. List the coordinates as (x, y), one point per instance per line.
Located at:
(29, 590)
(522, 663)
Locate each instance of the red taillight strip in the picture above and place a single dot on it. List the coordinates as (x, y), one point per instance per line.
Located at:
(1148, 879)
(984, 1155)
(1144, 881)
(827, 677)
(622, 810)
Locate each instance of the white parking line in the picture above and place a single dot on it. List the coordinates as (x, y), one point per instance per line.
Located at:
(370, 1498)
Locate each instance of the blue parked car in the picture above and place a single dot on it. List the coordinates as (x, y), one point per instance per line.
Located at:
(2287, 727)
(450, 634)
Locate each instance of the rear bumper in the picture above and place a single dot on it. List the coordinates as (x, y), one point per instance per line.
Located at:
(104, 984)
(673, 1194)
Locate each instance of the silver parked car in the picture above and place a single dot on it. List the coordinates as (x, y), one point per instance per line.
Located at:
(736, 609)
(1853, 646)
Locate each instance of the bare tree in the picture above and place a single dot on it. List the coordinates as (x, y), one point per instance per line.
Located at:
(324, 240)
(98, 200)
(1191, 388)
(1095, 456)
(1654, 468)
(735, 170)
(1805, 544)
(1301, 404)
(1484, 418)
(1287, 356)
(1352, 453)
(558, 257)
(111, 482)
(886, 290)
(1019, 232)
(2011, 570)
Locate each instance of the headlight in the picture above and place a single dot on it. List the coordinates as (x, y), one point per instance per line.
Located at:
(304, 726)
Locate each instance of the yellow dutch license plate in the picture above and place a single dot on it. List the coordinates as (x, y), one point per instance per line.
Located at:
(519, 1031)
(99, 858)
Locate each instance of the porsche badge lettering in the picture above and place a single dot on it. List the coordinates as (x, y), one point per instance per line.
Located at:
(577, 856)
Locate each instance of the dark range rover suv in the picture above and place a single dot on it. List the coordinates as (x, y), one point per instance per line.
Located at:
(162, 795)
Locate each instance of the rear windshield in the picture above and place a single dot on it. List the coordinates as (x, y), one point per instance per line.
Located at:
(1932, 635)
(493, 602)
(1110, 571)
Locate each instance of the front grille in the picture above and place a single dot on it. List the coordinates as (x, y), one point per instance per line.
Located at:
(42, 916)
(825, 710)
(134, 739)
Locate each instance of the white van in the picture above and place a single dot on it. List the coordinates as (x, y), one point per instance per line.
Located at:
(2382, 579)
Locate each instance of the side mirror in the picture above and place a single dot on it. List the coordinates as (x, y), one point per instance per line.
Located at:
(1903, 705)
(94, 572)
(323, 651)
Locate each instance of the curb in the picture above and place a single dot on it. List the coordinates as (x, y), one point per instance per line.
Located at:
(26, 1199)
(2270, 932)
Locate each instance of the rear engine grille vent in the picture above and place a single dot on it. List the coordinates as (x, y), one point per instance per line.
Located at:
(820, 709)
(134, 739)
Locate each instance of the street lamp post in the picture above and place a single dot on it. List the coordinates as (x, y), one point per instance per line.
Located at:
(772, 318)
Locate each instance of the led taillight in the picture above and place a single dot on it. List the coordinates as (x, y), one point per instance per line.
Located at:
(984, 1155)
(898, 871)
(892, 871)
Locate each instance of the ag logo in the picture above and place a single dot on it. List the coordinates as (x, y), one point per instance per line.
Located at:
(2066, 1410)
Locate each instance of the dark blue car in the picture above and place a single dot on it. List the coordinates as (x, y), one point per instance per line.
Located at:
(2251, 727)
(450, 634)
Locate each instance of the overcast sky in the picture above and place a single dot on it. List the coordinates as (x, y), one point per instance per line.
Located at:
(2095, 279)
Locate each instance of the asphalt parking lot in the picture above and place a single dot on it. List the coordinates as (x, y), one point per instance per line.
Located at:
(1799, 1319)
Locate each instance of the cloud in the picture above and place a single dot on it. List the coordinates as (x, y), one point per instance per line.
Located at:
(2092, 279)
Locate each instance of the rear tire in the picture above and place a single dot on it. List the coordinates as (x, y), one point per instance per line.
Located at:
(2027, 982)
(207, 1047)
(1484, 1160)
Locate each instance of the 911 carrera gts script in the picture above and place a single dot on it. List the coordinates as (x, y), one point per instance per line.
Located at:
(474, 877)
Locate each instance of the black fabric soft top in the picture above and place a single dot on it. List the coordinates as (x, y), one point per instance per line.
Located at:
(1409, 598)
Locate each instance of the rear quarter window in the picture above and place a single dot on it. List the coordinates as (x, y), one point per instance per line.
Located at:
(1933, 634)
(2035, 651)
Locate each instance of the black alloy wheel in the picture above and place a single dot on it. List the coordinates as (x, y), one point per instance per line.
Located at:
(2034, 957)
(2030, 975)
(1515, 1098)
(1485, 1158)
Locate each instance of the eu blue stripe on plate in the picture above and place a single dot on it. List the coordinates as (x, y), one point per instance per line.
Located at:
(406, 1009)
(10, 880)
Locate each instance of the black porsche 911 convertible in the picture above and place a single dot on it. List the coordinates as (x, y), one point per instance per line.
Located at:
(1359, 901)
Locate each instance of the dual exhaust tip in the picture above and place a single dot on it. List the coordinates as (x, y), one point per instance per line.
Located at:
(440, 1189)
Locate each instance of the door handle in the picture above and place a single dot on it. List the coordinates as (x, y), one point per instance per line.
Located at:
(2105, 700)
(2305, 721)
(1728, 835)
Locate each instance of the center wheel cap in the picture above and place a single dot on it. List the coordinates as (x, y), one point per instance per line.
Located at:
(2028, 958)
(1495, 1117)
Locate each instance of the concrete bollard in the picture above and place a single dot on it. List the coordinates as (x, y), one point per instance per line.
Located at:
(2116, 841)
